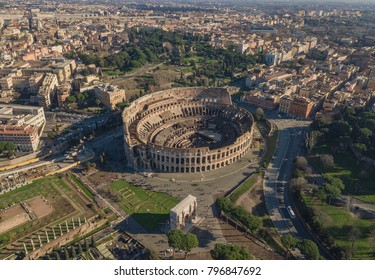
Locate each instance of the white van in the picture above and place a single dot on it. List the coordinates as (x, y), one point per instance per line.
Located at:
(291, 213)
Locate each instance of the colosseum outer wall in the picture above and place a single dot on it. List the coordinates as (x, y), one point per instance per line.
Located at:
(148, 114)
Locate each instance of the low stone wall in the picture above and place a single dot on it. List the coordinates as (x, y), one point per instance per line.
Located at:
(18, 160)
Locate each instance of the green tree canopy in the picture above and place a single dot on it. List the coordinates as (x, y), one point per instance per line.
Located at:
(230, 252)
(309, 249)
(259, 114)
(175, 239)
(190, 241)
(289, 241)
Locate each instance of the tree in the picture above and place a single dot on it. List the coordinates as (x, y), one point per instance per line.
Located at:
(297, 184)
(71, 99)
(87, 247)
(238, 213)
(259, 114)
(74, 253)
(230, 252)
(309, 249)
(93, 241)
(301, 163)
(97, 102)
(289, 242)
(362, 148)
(320, 194)
(9, 146)
(339, 128)
(85, 72)
(311, 139)
(80, 251)
(175, 239)
(80, 97)
(327, 161)
(364, 135)
(66, 253)
(190, 241)
(332, 186)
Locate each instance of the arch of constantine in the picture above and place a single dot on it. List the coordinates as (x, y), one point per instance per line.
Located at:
(186, 130)
(183, 213)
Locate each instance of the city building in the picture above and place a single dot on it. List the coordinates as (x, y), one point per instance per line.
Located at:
(47, 91)
(300, 107)
(109, 95)
(22, 125)
(25, 137)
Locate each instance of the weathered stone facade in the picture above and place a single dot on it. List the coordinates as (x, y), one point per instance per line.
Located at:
(186, 130)
(183, 213)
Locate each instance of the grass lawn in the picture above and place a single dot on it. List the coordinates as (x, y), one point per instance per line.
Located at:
(342, 225)
(244, 187)
(112, 72)
(187, 70)
(271, 146)
(351, 171)
(81, 186)
(41, 187)
(94, 109)
(149, 208)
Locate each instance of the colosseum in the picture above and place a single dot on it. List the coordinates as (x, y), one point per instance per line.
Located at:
(185, 130)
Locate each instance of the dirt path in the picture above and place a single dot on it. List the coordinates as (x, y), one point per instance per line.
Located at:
(236, 237)
(253, 200)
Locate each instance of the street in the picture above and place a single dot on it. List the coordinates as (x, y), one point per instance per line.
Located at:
(278, 175)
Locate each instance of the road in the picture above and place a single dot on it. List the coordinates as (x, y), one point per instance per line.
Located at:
(276, 183)
(278, 175)
(137, 73)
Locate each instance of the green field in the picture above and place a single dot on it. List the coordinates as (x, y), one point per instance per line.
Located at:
(43, 187)
(271, 146)
(359, 183)
(186, 70)
(112, 72)
(244, 187)
(149, 208)
(346, 229)
(81, 186)
(60, 195)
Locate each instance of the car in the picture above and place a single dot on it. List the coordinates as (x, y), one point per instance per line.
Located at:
(291, 212)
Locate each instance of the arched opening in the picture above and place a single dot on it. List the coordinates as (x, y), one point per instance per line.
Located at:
(187, 219)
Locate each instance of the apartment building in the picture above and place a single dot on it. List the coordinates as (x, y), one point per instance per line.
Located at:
(21, 125)
(109, 95)
(25, 137)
